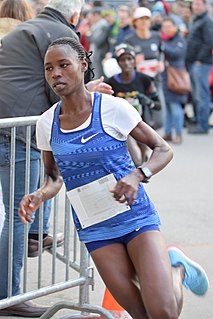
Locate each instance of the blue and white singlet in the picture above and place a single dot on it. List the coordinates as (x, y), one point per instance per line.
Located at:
(88, 154)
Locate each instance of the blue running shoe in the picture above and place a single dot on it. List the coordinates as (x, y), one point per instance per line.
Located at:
(195, 276)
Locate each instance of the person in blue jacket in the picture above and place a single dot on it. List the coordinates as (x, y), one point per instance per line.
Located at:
(83, 137)
(174, 46)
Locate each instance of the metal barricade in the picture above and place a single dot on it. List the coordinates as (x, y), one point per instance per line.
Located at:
(72, 256)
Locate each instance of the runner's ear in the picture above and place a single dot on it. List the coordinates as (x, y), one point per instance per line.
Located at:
(84, 65)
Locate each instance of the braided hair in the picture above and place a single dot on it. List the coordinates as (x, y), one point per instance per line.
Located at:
(76, 46)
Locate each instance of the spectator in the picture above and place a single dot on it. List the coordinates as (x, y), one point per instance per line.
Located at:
(199, 62)
(187, 16)
(135, 87)
(111, 18)
(157, 19)
(124, 28)
(83, 27)
(12, 13)
(146, 3)
(125, 20)
(21, 63)
(98, 39)
(149, 58)
(98, 3)
(174, 51)
(2, 212)
(159, 10)
(38, 5)
(176, 15)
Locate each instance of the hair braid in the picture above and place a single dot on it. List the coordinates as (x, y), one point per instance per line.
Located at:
(77, 47)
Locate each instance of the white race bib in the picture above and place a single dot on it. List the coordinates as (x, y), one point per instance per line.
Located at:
(148, 67)
(94, 203)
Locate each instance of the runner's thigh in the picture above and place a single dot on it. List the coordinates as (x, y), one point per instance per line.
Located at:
(150, 259)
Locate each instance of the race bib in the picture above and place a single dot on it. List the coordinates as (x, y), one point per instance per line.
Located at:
(148, 67)
(94, 203)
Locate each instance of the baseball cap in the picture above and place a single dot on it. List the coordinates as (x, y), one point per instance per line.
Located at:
(141, 12)
(124, 48)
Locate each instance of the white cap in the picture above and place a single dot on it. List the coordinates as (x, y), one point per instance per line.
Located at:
(141, 12)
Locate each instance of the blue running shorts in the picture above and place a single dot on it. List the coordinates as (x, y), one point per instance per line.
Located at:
(93, 245)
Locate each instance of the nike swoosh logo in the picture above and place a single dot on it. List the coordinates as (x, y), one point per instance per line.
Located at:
(84, 140)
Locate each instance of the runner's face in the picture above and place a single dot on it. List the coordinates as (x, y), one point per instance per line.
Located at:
(63, 70)
(126, 63)
(143, 23)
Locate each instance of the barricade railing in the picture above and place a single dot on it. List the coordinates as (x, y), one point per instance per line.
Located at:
(72, 259)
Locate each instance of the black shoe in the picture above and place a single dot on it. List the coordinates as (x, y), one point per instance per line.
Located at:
(24, 309)
(196, 130)
(33, 245)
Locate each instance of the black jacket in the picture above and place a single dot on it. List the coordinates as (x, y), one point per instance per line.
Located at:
(200, 40)
(23, 89)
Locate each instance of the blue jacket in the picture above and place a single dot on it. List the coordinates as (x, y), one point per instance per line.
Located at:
(174, 51)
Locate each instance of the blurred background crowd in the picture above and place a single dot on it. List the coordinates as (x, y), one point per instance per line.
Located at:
(103, 25)
(161, 33)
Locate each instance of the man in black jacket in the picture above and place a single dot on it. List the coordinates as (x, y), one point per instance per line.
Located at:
(24, 92)
(199, 63)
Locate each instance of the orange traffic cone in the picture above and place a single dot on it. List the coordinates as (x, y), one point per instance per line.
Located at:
(110, 304)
